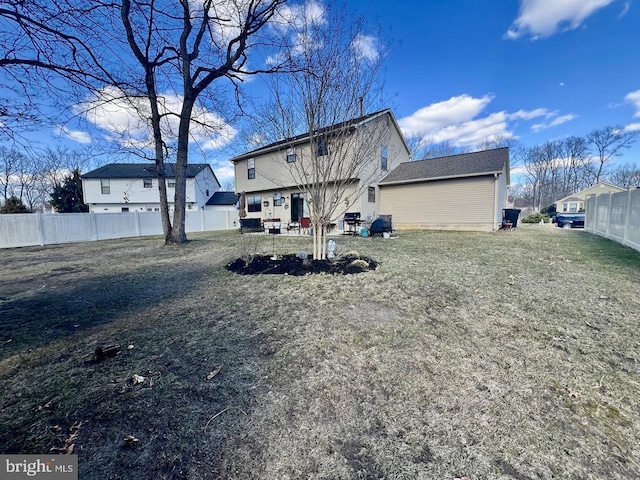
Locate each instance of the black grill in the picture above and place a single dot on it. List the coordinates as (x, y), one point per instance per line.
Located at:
(351, 222)
(381, 225)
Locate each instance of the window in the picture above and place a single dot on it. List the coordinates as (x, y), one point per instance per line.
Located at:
(573, 207)
(171, 183)
(207, 192)
(251, 169)
(147, 183)
(105, 187)
(254, 203)
(291, 155)
(383, 157)
(371, 191)
(125, 209)
(149, 209)
(321, 147)
(564, 207)
(278, 200)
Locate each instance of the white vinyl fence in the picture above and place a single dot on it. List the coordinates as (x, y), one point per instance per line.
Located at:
(615, 216)
(22, 230)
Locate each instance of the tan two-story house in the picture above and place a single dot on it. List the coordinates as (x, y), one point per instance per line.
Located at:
(277, 179)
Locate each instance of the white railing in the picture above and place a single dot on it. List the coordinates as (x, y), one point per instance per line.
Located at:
(28, 229)
(615, 216)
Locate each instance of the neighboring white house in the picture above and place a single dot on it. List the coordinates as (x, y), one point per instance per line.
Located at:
(576, 201)
(133, 187)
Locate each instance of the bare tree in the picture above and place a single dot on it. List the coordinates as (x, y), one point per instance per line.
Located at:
(332, 84)
(608, 143)
(134, 52)
(422, 147)
(626, 176)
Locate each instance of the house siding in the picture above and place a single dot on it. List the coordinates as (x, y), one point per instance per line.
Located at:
(130, 193)
(456, 204)
(272, 172)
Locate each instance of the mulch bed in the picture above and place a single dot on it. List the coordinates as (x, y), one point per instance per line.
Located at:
(292, 265)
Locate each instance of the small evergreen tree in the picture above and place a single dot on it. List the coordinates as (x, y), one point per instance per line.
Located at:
(14, 205)
(67, 198)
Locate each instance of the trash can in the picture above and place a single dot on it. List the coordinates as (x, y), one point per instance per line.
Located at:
(510, 215)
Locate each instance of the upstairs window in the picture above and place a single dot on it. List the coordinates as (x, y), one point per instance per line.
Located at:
(251, 169)
(254, 203)
(171, 183)
(383, 158)
(371, 193)
(321, 147)
(105, 187)
(291, 155)
(147, 183)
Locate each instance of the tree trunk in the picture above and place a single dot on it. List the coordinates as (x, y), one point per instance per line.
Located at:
(178, 234)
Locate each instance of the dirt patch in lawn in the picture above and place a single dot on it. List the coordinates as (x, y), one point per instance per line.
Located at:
(297, 265)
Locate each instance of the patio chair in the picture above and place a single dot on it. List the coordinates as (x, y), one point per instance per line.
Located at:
(305, 224)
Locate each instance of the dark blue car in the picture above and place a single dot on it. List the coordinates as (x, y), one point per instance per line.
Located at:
(570, 220)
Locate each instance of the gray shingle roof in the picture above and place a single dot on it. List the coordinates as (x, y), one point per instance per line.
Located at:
(223, 198)
(473, 164)
(305, 136)
(141, 170)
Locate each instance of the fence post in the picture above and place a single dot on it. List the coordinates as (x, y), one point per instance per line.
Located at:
(40, 228)
(94, 221)
(138, 229)
(627, 218)
(608, 216)
(202, 219)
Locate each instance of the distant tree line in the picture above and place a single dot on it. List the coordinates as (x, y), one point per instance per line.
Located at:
(30, 180)
(557, 168)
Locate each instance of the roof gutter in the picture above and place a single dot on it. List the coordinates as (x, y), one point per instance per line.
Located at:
(432, 179)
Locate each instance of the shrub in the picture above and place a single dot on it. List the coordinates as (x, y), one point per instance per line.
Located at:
(359, 266)
(247, 248)
(535, 218)
(351, 255)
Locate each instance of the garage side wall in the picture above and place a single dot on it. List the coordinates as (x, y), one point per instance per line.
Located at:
(457, 204)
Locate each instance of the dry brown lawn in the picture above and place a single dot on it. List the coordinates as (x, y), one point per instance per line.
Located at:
(510, 355)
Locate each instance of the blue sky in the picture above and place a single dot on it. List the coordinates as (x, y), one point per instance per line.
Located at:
(466, 70)
(511, 68)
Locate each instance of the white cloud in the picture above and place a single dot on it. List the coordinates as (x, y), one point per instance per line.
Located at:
(543, 18)
(553, 123)
(625, 9)
(77, 135)
(632, 127)
(460, 121)
(299, 16)
(124, 120)
(530, 114)
(366, 46)
(634, 99)
(436, 116)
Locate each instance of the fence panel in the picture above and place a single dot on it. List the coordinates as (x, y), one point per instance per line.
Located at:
(632, 236)
(615, 216)
(67, 228)
(22, 230)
